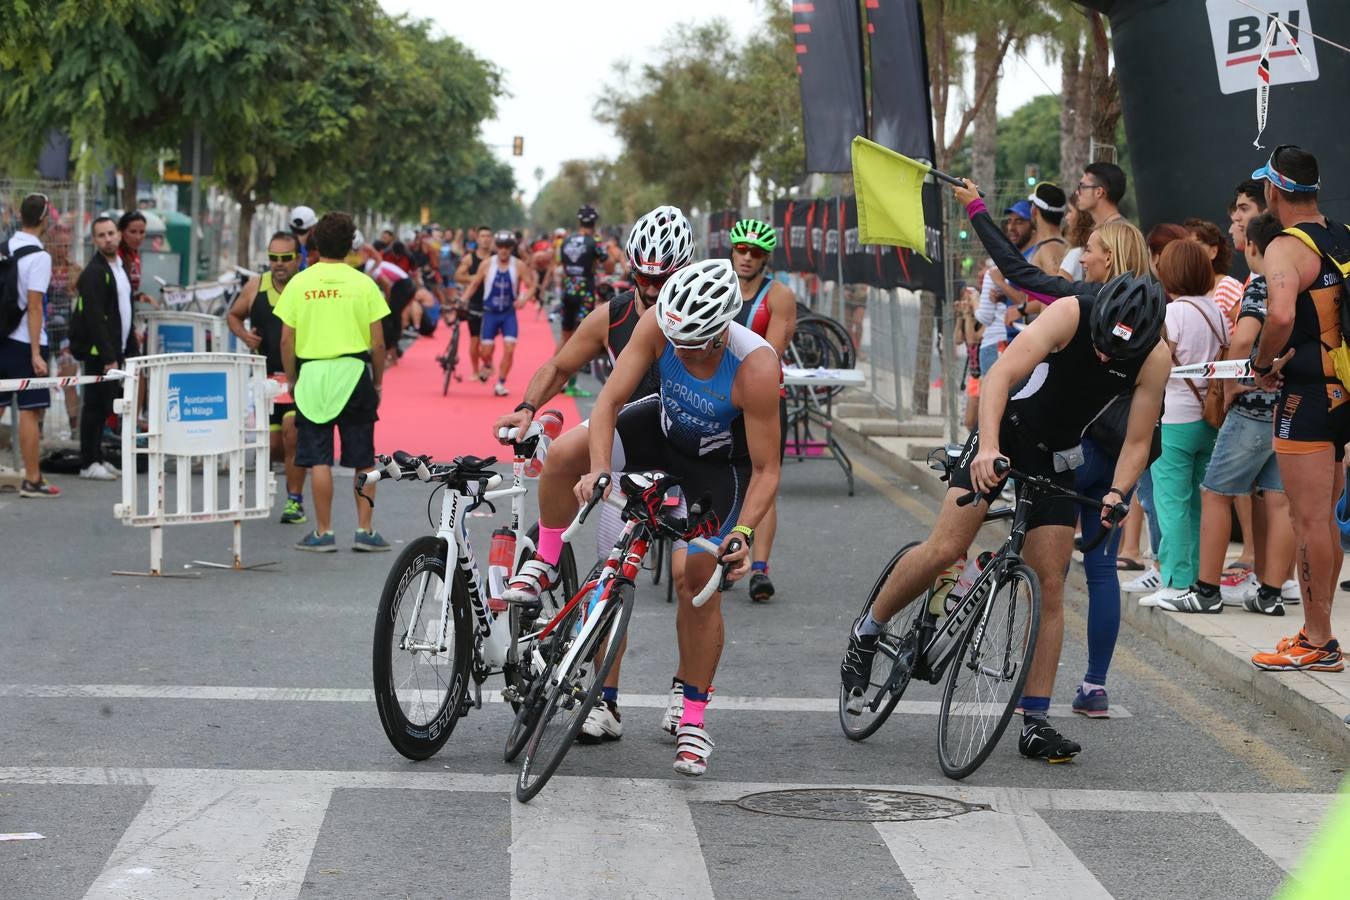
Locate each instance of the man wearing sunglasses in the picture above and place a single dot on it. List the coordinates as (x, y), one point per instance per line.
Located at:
(659, 244)
(712, 424)
(1100, 191)
(257, 303)
(507, 285)
(770, 311)
(1305, 289)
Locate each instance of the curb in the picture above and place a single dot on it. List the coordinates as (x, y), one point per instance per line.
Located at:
(1298, 699)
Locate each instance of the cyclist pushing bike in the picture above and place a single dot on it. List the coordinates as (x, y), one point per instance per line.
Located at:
(1051, 383)
(713, 424)
(659, 244)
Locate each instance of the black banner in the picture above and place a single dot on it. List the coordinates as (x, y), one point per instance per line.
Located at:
(830, 74)
(902, 118)
(719, 232)
(1189, 148)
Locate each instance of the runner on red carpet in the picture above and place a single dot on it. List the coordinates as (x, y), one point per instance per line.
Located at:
(507, 285)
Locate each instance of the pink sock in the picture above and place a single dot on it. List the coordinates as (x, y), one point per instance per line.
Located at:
(693, 712)
(550, 544)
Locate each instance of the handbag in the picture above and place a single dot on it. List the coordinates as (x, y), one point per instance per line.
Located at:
(1212, 408)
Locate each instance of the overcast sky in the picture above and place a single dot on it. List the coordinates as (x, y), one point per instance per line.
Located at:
(557, 57)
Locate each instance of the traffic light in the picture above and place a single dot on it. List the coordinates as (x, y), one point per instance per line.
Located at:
(1033, 174)
(518, 146)
(962, 234)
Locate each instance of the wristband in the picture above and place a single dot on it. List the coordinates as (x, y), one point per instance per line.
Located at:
(975, 207)
(746, 531)
(524, 406)
(1117, 491)
(1262, 370)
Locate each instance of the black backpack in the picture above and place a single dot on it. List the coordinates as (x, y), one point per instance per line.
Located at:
(11, 314)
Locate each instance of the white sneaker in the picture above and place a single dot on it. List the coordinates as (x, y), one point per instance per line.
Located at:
(1150, 580)
(1289, 591)
(1159, 595)
(602, 724)
(500, 390)
(674, 709)
(535, 577)
(692, 749)
(117, 473)
(96, 472)
(1237, 594)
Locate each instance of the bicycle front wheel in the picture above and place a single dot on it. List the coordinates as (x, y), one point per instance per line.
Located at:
(419, 690)
(987, 673)
(900, 646)
(578, 686)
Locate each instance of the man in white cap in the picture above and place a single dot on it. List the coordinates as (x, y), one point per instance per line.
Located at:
(302, 222)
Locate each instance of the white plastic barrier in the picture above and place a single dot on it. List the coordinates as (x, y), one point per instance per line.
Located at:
(207, 412)
(174, 331)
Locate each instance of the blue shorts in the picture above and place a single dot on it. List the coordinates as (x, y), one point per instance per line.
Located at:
(503, 323)
(1243, 460)
(16, 361)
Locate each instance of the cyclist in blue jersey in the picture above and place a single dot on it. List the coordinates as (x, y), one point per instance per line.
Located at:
(507, 285)
(713, 424)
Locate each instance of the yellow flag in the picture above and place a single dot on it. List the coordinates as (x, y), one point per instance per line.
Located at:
(890, 196)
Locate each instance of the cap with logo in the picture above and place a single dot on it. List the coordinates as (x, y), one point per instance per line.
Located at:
(1021, 209)
(303, 219)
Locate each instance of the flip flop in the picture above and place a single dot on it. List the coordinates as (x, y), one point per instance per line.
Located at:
(1126, 564)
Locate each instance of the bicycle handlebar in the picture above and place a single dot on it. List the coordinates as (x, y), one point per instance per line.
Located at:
(403, 466)
(1003, 467)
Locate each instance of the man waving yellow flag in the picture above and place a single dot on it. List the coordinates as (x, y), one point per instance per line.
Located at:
(890, 196)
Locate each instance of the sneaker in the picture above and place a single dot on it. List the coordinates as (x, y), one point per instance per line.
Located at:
(1191, 601)
(1290, 592)
(500, 389)
(674, 710)
(761, 587)
(1092, 704)
(1301, 655)
(603, 723)
(535, 577)
(692, 749)
(856, 669)
(1239, 575)
(293, 513)
(97, 472)
(369, 542)
(484, 374)
(42, 488)
(318, 543)
(1236, 593)
(411, 332)
(1265, 603)
(1150, 580)
(573, 391)
(1039, 741)
(116, 472)
(1156, 598)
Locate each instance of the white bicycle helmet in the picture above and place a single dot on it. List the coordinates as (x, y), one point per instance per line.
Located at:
(698, 302)
(358, 241)
(660, 242)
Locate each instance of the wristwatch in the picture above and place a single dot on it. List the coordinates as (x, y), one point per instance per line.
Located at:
(525, 406)
(1262, 370)
(746, 532)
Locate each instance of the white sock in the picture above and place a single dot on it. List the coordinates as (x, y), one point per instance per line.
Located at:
(870, 627)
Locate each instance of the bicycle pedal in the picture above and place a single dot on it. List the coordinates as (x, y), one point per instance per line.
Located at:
(856, 701)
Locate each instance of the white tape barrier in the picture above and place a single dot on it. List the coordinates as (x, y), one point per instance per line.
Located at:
(793, 376)
(206, 411)
(1223, 368)
(33, 384)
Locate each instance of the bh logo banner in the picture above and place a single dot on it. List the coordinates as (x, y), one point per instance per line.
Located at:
(1240, 36)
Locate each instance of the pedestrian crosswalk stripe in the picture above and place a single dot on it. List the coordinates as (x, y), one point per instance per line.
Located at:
(365, 695)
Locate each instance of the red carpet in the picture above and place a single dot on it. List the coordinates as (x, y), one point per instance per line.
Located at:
(416, 418)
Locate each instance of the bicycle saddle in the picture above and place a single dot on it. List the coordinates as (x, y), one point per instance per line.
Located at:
(469, 464)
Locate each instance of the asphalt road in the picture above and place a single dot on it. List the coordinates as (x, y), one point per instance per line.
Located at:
(215, 737)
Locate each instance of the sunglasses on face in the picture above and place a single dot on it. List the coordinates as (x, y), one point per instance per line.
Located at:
(654, 281)
(281, 257)
(1086, 186)
(694, 348)
(750, 250)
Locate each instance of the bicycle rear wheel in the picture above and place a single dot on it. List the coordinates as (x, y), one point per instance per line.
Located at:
(451, 359)
(899, 644)
(418, 693)
(570, 700)
(987, 674)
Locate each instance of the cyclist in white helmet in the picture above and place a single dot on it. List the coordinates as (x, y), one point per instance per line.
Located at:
(713, 423)
(659, 245)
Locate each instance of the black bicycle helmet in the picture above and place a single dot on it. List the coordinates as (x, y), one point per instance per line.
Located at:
(504, 238)
(587, 215)
(1128, 316)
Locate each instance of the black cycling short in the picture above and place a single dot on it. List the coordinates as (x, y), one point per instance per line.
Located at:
(574, 308)
(400, 294)
(640, 445)
(1310, 418)
(1031, 460)
(474, 316)
(279, 413)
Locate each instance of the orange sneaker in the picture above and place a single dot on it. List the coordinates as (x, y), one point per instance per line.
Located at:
(1302, 656)
(1286, 642)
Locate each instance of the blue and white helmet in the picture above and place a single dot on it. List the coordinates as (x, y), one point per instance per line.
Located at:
(698, 302)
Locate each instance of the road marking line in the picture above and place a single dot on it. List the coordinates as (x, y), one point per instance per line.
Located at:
(1019, 856)
(195, 839)
(1280, 827)
(363, 695)
(632, 839)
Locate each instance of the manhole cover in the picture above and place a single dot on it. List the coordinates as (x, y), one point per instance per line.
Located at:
(855, 805)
